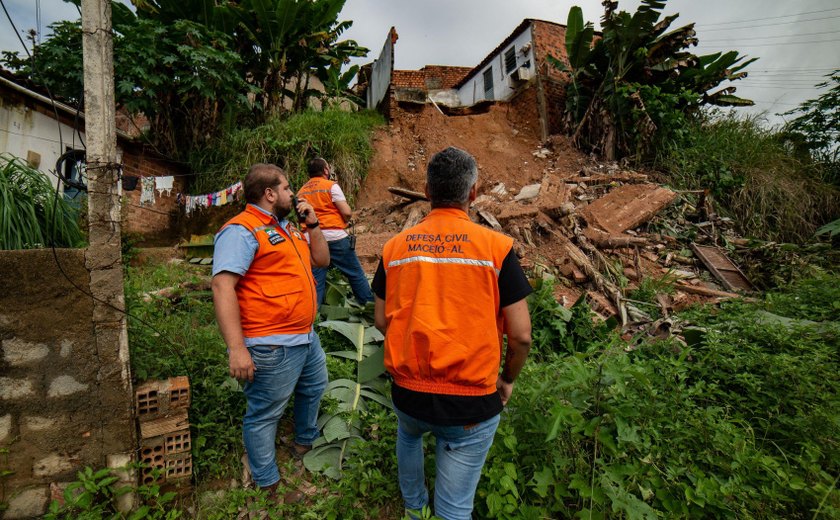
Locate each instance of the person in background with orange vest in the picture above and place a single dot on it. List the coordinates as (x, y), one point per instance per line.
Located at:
(447, 290)
(264, 294)
(334, 212)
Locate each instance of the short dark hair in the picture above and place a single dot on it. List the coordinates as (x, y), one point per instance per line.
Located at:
(261, 176)
(450, 175)
(316, 167)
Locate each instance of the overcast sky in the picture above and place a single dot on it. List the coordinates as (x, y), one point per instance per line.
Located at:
(798, 42)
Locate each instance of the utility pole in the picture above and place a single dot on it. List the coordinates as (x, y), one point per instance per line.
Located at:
(103, 257)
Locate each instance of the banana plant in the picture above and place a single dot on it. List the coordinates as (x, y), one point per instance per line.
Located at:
(636, 80)
(340, 430)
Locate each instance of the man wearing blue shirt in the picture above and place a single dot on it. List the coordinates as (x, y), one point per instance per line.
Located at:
(265, 300)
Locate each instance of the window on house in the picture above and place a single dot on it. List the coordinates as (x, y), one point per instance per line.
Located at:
(488, 83)
(510, 60)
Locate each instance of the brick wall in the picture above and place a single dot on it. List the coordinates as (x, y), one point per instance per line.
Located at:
(430, 77)
(524, 109)
(550, 40)
(157, 222)
(64, 403)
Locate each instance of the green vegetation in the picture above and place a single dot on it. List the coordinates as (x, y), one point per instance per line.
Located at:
(200, 68)
(637, 84)
(770, 193)
(742, 424)
(32, 214)
(343, 138)
(815, 132)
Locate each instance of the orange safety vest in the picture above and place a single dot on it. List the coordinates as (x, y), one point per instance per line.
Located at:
(277, 293)
(317, 192)
(444, 325)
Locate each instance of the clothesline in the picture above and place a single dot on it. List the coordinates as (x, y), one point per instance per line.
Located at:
(218, 198)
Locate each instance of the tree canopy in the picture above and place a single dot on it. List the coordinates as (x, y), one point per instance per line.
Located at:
(198, 67)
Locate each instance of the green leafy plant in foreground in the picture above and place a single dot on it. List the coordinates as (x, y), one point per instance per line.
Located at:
(32, 215)
(741, 425)
(342, 428)
(94, 496)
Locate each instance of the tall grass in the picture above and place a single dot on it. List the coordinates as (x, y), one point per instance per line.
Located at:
(755, 175)
(30, 214)
(342, 138)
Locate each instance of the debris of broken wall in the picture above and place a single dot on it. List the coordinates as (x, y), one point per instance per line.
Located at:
(64, 404)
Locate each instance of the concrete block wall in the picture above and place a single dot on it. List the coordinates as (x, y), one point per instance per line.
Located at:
(64, 402)
(158, 220)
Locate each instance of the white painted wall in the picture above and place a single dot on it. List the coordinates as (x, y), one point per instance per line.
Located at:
(473, 90)
(23, 129)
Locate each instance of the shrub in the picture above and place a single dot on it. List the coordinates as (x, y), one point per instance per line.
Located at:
(32, 214)
(342, 138)
(754, 175)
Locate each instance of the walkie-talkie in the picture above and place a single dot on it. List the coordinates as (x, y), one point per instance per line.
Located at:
(300, 218)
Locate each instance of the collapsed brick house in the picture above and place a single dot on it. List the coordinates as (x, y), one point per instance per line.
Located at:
(517, 71)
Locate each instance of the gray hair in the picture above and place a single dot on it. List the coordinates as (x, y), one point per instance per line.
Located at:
(450, 175)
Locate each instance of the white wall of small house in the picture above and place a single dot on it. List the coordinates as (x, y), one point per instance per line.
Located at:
(473, 90)
(24, 130)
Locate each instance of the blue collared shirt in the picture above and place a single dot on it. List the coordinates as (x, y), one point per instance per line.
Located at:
(234, 248)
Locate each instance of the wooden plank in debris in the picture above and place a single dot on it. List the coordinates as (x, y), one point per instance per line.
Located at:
(722, 267)
(627, 207)
(408, 194)
(704, 291)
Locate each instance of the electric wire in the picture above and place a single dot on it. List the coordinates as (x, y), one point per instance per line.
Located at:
(770, 17)
(772, 24)
(775, 36)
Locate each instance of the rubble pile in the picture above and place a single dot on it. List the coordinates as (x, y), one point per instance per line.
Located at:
(599, 232)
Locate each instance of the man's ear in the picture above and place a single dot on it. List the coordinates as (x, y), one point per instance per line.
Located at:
(474, 192)
(426, 190)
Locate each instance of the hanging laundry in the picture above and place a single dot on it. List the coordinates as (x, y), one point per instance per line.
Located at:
(147, 194)
(164, 184)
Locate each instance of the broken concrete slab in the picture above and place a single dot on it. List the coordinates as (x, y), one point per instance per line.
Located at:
(490, 219)
(627, 207)
(528, 192)
(414, 217)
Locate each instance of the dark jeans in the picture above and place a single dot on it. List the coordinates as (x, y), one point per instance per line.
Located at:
(344, 259)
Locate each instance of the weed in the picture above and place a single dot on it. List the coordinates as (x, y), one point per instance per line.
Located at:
(757, 178)
(342, 138)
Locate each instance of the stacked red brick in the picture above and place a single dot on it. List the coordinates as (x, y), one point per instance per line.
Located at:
(165, 443)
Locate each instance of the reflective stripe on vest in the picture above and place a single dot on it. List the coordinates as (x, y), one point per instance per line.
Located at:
(442, 305)
(317, 191)
(277, 293)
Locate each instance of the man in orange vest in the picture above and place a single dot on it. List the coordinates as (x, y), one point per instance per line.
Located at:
(264, 295)
(334, 212)
(447, 290)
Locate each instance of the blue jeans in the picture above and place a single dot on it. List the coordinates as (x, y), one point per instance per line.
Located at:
(460, 452)
(281, 371)
(345, 259)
